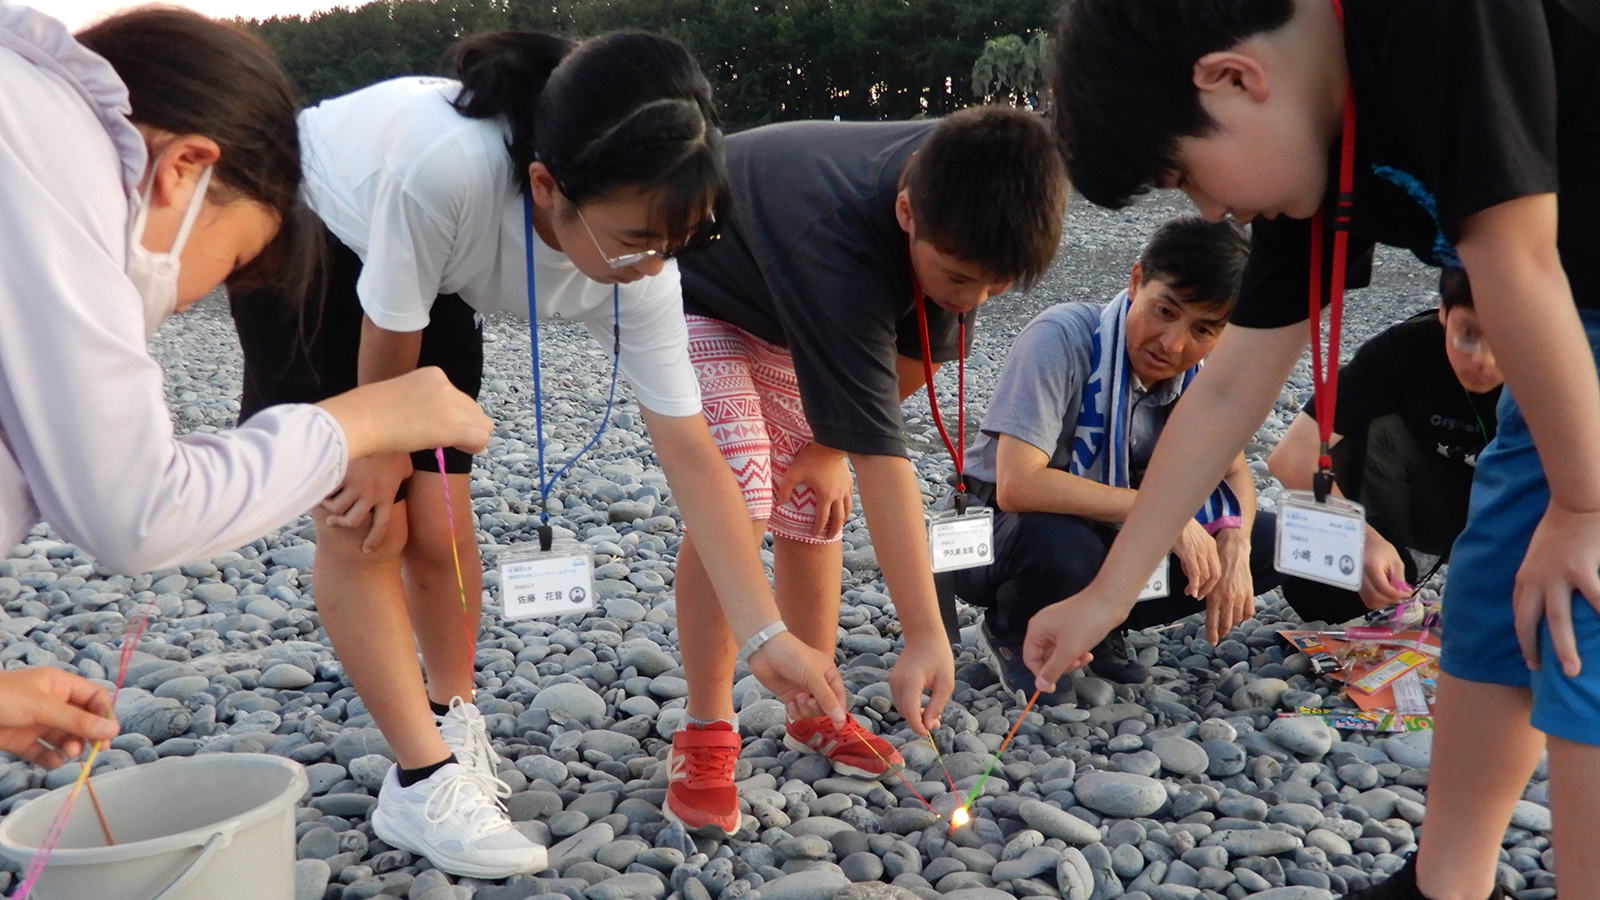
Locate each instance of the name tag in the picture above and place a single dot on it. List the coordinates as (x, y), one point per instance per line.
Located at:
(958, 541)
(553, 583)
(1160, 583)
(1321, 541)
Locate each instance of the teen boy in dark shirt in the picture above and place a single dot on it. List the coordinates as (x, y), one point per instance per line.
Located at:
(804, 332)
(1415, 410)
(1470, 117)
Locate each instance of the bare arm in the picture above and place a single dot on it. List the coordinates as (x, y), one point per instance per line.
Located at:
(910, 375)
(1244, 487)
(1231, 599)
(707, 495)
(1522, 295)
(384, 353)
(891, 498)
(371, 482)
(1295, 458)
(1026, 483)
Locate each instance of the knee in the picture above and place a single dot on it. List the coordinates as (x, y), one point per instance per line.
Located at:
(1060, 546)
(344, 547)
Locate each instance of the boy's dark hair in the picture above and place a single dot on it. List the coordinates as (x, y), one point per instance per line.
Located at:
(1202, 261)
(625, 110)
(1124, 84)
(987, 187)
(1455, 292)
(187, 74)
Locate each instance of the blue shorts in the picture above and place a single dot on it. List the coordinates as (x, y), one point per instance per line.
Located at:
(1509, 496)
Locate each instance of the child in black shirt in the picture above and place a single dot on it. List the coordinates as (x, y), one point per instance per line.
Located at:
(1466, 118)
(1415, 410)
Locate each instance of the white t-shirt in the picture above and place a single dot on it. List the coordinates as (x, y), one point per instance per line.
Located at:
(426, 197)
(86, 440)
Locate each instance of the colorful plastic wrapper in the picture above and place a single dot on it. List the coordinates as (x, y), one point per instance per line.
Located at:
(1393, 668)
(1370, 720)
(1322, 662)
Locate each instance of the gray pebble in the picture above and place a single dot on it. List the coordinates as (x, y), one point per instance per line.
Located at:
(1118, 794)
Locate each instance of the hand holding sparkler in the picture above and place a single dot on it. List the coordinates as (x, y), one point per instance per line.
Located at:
(48, 715)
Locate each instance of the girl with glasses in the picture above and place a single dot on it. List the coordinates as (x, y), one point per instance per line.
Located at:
(585, 168)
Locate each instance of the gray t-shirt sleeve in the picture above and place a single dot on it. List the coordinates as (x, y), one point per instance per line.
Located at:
(1040, 388)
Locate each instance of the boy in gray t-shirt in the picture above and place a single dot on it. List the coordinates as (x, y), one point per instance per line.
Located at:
(1074, 419)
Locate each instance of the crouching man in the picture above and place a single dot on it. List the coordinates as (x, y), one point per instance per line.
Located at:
(1071, 427)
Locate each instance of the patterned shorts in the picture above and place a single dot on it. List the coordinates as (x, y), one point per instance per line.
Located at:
(752, 403)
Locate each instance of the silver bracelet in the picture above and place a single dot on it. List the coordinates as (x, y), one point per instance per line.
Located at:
(759, 640)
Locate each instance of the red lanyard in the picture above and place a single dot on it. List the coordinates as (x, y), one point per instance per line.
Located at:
(961, 391)
(1325, 369)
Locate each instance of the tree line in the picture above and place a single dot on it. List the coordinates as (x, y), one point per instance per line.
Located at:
(769, 61)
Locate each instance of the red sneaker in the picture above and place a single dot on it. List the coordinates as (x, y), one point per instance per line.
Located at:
(700, 791)
(852, 749)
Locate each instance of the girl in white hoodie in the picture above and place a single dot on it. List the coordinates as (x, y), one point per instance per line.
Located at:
(108, 223)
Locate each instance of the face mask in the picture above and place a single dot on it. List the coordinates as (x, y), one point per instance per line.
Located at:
(155, 275)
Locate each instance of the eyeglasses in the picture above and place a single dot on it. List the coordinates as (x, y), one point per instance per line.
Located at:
(708, 231)
(1468, 341)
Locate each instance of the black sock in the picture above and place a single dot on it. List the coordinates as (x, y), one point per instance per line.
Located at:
(408, 777)
(439, 709)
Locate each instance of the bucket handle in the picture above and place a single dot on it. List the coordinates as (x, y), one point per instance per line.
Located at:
(216, 842)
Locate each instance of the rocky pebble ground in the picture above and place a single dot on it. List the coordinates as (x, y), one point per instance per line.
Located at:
(1182, 788)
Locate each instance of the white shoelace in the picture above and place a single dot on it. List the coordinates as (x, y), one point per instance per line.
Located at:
(474, 749)
(468, 793)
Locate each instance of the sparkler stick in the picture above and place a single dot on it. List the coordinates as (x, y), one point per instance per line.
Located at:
(977, 789)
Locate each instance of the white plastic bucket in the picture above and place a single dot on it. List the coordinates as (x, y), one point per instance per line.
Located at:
(196, 828)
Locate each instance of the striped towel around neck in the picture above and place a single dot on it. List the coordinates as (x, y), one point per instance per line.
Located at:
(1100, 441)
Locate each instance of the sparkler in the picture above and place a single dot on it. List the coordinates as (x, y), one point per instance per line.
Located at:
(961, 816)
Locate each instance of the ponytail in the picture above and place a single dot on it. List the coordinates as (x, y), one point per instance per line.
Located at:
(626, 110)
(504, 73)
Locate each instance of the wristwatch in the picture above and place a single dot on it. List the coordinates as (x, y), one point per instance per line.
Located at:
(759, 640)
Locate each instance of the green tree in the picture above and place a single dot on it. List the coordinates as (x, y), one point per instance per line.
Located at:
(1012, 70)
(769, 61)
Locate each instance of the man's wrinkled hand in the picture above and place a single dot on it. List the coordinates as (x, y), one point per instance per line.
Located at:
(1197, 553)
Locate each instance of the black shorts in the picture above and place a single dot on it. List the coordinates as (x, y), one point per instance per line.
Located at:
(287, 363)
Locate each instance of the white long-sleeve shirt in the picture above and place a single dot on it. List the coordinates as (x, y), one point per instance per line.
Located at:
(86, 441)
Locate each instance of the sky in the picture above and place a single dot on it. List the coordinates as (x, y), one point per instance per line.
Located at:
(78, 13)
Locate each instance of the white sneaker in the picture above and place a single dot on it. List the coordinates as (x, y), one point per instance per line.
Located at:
(452, 818)
(467, 736)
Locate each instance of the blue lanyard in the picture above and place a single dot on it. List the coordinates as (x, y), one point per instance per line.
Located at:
(545, 484)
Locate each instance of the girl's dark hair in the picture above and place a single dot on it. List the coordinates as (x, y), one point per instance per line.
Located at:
(1202, 261)
(187, 74)
(626, 110)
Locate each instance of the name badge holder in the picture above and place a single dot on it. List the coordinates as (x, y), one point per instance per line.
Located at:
(1321, 540)
(554, 582)
(961, 540)
(1321, 537)
(556, 578)
(958, 538)
(1160, 582)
